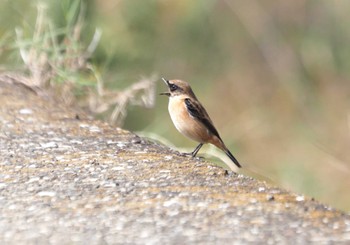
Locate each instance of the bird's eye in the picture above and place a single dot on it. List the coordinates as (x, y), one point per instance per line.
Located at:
(173, 87)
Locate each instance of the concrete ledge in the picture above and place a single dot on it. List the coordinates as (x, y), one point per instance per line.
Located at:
(68, 179)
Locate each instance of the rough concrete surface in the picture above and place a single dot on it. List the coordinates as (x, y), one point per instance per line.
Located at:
(68, 179)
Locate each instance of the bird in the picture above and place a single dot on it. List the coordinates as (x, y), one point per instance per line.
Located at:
(191, 119)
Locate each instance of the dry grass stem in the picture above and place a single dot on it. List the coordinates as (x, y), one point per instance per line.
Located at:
(61, 67)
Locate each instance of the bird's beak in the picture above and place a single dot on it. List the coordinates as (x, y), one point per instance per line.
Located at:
(167, 83)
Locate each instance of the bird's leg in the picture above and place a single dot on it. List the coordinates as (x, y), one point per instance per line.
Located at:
(194, 153)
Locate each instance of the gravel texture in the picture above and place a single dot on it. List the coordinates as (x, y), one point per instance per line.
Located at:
(68, 179)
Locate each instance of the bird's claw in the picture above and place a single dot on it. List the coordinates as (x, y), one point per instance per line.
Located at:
(189, 154)
(185, 154)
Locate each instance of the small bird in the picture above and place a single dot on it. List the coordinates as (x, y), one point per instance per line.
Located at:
(191, 119)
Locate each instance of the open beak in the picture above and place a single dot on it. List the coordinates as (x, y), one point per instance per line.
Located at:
(167, 83)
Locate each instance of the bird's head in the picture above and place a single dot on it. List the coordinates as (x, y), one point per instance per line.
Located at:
(177, 88)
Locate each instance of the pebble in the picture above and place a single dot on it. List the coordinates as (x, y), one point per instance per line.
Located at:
(48, 145)
(46, 194)
(25, 111)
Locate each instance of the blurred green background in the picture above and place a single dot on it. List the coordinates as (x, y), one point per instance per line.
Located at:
(273, 75)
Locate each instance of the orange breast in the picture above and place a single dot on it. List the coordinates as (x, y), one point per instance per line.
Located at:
(186, 124)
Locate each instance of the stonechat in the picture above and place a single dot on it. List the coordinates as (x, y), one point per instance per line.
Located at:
(191, 119)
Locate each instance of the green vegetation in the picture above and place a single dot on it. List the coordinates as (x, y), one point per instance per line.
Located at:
(274, 76)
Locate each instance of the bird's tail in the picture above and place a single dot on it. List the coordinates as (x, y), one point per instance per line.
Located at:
(233, 159)
(217, 141)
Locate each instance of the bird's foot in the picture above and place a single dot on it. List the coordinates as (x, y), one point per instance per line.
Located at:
(185, 154)
(189, 154)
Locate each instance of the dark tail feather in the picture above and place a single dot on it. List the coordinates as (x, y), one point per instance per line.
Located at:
(234, 160)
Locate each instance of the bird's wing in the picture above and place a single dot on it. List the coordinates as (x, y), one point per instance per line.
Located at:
(197, 111)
